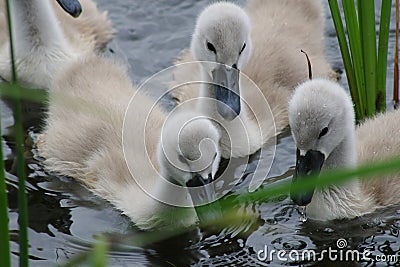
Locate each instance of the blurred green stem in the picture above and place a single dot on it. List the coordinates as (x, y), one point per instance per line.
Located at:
(396, 62)
(99, 255)
(4, 221)
(22, 198)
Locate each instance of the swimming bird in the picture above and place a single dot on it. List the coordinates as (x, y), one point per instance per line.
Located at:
(114, 139)
(322, 122)
(256, 54)
(45, 37)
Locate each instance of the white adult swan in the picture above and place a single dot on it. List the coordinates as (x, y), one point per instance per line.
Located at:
(264, 42)
(86, 138)
(321, 118)
(45, 37)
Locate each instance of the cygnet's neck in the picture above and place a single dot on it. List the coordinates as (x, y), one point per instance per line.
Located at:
(344, 200)
(345, 154)
(206, 92)
(239, 137)
(147, 209)
(166, 189)
(35, 25)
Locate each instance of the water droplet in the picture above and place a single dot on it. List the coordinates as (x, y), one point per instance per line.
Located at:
(302, 212)
(240, 242)
(329, 230)
(294, 245)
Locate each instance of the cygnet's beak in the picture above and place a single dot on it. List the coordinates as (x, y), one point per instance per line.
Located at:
(204, 188)
(72, 7)
(227, 93)
(308, 165)
(202, 191)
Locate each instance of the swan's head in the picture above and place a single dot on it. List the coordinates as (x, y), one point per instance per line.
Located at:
(222, 35)
(189, 151)
(320, 115)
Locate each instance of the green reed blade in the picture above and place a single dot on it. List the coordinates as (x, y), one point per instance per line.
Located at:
(95, 258)
(353, 31)
(347, 62)
(263, 194)
(99, 254)
(384, 27)
(396, 62)
(31, 95)
(4, 232)
(368, 33)
(13, 67)
(325, 179)
(360, 16)
(22, 199)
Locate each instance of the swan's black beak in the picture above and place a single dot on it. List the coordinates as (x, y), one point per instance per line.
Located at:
(227, 93)
(72, 7)
(307, 166)
(202, 191)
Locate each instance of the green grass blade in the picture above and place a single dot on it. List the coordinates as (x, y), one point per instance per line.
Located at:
(22, 199)
(384, 27)
(347, 62)
(343, 175)
(396, 62)
(353, 31)
(368, 33)
(263, 194)
(31, 95)
(4, 233)
(360, 16)
(13, 67)
(99, 255)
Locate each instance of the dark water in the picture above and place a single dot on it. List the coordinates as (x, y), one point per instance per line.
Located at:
(65, 218)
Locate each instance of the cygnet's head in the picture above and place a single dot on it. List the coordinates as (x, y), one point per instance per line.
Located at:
(222, 35)
(189, 151)
(321, 114)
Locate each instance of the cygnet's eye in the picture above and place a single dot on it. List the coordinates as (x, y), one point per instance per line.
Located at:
(211, 47)
(243, 48)
(323, 132)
